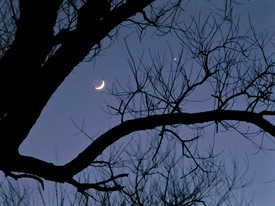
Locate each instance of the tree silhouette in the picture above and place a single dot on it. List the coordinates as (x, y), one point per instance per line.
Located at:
(36, 56)
(167, 180)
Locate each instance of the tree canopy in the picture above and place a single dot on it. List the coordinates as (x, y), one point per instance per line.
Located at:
(41, 43)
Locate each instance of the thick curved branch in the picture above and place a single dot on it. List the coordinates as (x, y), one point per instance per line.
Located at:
(85, 158)
(76, 47)
(28, 74)
(48, 171)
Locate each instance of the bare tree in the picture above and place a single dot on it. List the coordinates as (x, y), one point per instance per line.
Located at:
(233, 65)
(14, 193)
(169, 179)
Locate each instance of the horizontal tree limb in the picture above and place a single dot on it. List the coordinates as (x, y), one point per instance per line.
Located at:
(85, 158)
(65, 173)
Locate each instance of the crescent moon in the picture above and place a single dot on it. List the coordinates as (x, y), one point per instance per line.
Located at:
(101, 86)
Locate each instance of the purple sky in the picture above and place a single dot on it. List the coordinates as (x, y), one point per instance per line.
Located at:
(53, 139)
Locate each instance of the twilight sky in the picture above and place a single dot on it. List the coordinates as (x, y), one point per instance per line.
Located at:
(52, 138)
